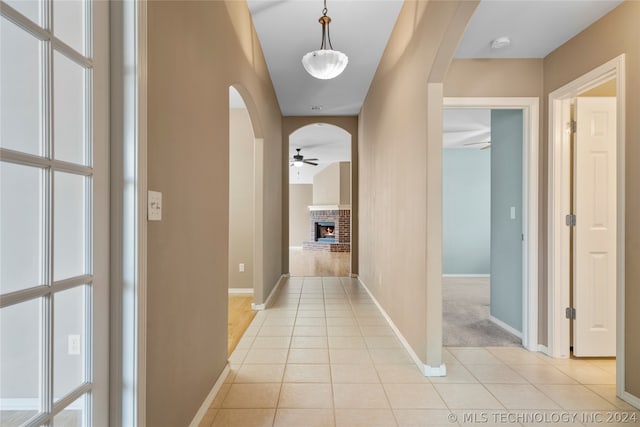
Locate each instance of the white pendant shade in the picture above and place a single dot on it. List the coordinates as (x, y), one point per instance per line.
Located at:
(325, 63)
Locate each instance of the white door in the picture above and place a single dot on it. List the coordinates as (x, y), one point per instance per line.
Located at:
(54, 213)
(594, 267)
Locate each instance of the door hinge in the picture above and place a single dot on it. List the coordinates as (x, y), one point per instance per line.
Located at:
(573, 126)
(571, 220)
(570, 312)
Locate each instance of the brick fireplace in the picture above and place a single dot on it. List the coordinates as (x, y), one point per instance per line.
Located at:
(329, 230)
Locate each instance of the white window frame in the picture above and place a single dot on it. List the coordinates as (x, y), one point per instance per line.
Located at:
(95, 59)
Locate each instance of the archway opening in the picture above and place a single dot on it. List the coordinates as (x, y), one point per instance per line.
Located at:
(320, 220)
(242, 212)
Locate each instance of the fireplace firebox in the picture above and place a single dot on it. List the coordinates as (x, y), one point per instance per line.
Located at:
(329, 230)
(325, 232)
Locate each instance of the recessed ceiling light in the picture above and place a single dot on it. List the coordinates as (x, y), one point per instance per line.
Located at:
(500, 43)
(316, 107)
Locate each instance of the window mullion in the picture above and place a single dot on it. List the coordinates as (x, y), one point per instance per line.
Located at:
(25, 23)
(48, 302)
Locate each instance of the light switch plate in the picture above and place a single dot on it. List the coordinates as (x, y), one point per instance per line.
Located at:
(513, 212)
(154, 209)
(73, 344)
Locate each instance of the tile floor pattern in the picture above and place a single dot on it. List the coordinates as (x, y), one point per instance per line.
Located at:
(323, 355)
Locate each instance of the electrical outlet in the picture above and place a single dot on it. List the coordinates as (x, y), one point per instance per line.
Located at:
(241, 267)
(73, 344)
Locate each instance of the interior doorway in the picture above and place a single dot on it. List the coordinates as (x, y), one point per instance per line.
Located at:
(320, 220)
(482, 201)
(241, 196)
(514, 218)
(596, 100)
(243, 270)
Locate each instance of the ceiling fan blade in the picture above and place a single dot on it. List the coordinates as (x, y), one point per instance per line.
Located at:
(477, 143)
(312, 160)
(309, 163)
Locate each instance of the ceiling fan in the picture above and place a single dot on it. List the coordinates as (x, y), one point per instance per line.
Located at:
(485, 144)
(298, 160)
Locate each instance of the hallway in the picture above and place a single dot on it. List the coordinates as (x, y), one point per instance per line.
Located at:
(323, 355)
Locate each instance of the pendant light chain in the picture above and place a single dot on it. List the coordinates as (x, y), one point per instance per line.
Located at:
(325, 21)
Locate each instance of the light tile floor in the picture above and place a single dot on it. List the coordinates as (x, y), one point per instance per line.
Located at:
(323, 355)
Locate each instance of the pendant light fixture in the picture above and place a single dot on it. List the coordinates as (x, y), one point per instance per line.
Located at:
(325, 63)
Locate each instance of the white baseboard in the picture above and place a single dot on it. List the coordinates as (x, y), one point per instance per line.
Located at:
(428, 371)
(209, 400)
(240, 291)
(631, 399)
(467, 275)
(544, 349)
(274, 291)
(506, 327)
(435, 371)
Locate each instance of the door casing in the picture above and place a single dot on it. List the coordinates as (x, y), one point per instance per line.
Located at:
(530, 170)
(559, 192)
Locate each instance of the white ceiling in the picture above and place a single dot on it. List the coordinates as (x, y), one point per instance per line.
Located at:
(327, 143)
(535, 27)
(288, 29)
(466, 128)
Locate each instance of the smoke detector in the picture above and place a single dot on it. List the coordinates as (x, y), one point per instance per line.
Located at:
(501, 43)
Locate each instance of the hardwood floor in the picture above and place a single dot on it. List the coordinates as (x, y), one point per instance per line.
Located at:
(312, 263)
(240, 317)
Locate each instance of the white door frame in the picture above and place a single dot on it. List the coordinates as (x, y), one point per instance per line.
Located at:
(559, 193)
(128, 167)
(530, 170)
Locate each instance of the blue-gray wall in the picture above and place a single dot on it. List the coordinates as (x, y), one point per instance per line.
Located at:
(506, 233)
(466, 210)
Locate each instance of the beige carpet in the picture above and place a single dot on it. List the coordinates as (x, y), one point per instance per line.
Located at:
(465, 313)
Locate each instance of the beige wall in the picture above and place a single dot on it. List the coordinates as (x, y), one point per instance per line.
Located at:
(300, 198)
(332, 185)
(616, 33)
(241, 195)
(196, 51)
(345, 183)
(510, 78)
(393, 172)
(605, 89)
(613, 35)
(290, 125)
(494, 77)
(326, 185)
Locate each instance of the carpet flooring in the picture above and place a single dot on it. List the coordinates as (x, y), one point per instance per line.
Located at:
(466, 315)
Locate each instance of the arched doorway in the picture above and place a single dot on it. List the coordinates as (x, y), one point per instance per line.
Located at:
(320, 201)
(245, 217)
